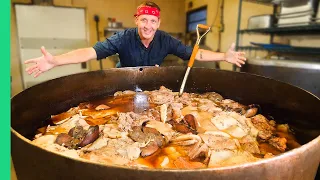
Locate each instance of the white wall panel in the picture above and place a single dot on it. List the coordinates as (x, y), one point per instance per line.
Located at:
(59, 29)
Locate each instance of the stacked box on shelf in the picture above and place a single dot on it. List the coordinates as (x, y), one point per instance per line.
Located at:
(317, 19)
(296, 15)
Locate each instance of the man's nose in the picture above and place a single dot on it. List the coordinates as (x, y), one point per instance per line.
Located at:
(148, 24)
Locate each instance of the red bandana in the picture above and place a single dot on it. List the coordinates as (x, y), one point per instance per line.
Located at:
(148, 11)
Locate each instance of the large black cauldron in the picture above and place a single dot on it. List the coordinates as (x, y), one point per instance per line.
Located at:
(287, 104)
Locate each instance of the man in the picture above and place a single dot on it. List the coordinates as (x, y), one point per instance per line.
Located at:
(141, 46)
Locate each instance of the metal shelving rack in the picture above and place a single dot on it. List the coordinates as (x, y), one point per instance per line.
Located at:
(296, 30)
(299, 50)
(310, 29)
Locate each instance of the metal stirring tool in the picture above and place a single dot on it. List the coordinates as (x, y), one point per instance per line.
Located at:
(193, 55)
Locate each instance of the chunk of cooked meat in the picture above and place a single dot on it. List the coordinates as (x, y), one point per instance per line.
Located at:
(77, 137)
(161, 96)
(128, 120)
(198, 151)
(279, 143)
(97, 144)
(163, 113)
(147, 130)
(268, 155)
(123, 93)
(190, 119)
(231, 123)
(248, 143)
(185, 98)
(217, 157)
(176, 110)
(137, 135)
(67, 125)
(283, 128)
(148, 150)
(77, 132)
(64, 139)
(125, 147)
(267, 148)
(111, 131)
(207, 105)
(213, 96)
(154, 135)
(231, 158)
(182, 127)
(164, 128)
(116, 152)
(262, 124)
(186, 140)
(251, 112)
(92, 134)
(154, 114)
(231, 105)
(102, 107)
(218, 142)
(272, 123)
(181, 162)
(149, 136)
(47, 142)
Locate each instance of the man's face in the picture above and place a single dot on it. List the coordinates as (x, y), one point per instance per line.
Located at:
(147, 26)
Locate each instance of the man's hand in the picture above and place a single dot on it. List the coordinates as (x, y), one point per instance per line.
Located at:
(42, 64)
(234, 57)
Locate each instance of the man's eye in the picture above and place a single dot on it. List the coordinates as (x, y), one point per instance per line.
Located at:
(153, 21)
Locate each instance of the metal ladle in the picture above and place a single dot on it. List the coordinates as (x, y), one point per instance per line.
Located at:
(193, 55)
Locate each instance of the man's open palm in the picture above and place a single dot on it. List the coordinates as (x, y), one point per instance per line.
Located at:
(42, 64)
(235, 57)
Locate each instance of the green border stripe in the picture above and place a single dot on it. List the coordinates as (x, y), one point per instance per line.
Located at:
(5, 89)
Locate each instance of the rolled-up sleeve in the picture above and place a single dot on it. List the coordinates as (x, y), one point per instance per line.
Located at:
(177, 48)
(108, 47)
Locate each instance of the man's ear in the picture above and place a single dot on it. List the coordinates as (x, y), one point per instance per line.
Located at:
(136, 20)
(159, 23)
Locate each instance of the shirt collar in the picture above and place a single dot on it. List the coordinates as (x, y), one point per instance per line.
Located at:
(138, 37)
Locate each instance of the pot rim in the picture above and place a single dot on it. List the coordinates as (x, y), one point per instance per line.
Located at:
(140, 68)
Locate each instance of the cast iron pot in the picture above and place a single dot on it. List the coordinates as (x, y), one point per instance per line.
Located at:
(287, 104)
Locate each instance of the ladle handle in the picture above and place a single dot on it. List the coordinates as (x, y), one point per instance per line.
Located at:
(193, 55)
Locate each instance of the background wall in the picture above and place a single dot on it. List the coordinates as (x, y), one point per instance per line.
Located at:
(172, 17)
(230, 22)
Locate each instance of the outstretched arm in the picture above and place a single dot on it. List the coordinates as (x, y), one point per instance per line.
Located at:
(47, 61)
(230, 56)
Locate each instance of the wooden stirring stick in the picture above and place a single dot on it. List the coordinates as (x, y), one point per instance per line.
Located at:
(193, 55)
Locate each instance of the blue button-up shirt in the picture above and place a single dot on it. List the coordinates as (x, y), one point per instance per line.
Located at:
(133, 53)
